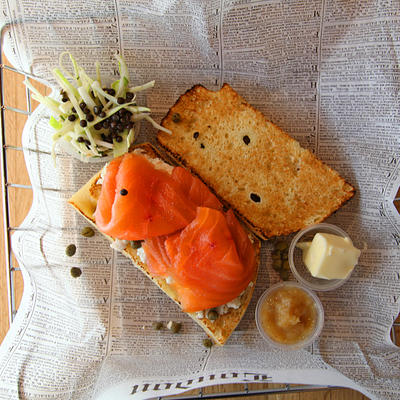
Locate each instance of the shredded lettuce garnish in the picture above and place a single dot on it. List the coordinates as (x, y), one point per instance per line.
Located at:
(95, 121)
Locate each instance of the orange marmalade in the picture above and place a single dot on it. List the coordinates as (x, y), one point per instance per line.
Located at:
(288, 315)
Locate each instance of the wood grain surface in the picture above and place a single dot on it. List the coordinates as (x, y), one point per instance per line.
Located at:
(20, 201)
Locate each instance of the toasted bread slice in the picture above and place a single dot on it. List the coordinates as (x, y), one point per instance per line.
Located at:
(275, 185)
(85, 201)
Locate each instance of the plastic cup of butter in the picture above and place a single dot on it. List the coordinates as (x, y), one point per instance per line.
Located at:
(289, 316)
(299, 269)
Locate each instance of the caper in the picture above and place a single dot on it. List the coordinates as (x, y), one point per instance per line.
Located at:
(157, 325)
(284, 275)
(173, 326)
(136, 244)
(277, 265)
(212, 315)
(285, 265)
(276, 255)
(255, 197)
(76, 272)
(176, 117)
(70, 250)
(87, 231)
(281, 246)
(207, 343)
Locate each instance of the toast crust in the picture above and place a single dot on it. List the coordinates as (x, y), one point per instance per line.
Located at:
(273, 184)
(85, 201)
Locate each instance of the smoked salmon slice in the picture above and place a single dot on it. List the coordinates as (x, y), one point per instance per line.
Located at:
(195, 189)
(187, 238)
(244, 245)
(210, 262)
(157, 258)
(206, 268)
(138, 201)
(153, 202)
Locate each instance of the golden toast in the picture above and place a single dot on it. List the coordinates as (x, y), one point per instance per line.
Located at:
(274, 185)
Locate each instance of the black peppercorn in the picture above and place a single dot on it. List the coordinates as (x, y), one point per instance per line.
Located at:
(71, 117)
(123, 192)
(126, 118)
(82, 123)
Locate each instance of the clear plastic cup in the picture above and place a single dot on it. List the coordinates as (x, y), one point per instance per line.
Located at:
(299, 269)
(313, 334)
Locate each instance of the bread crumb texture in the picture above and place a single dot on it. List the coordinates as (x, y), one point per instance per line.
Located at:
(273, 183)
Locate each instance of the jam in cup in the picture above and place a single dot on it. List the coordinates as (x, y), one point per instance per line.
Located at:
(289, 316)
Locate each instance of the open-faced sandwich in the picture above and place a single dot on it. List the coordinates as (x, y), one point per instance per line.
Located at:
(182, 232)
(177, 232)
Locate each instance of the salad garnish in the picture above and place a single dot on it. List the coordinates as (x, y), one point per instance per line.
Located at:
(94, 120)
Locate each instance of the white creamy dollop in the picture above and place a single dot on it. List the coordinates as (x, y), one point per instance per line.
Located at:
(119, 245)
(141, 254)
(235, 303)
(224, 308)
(200, 314)
(102, 175)
(221, 310)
